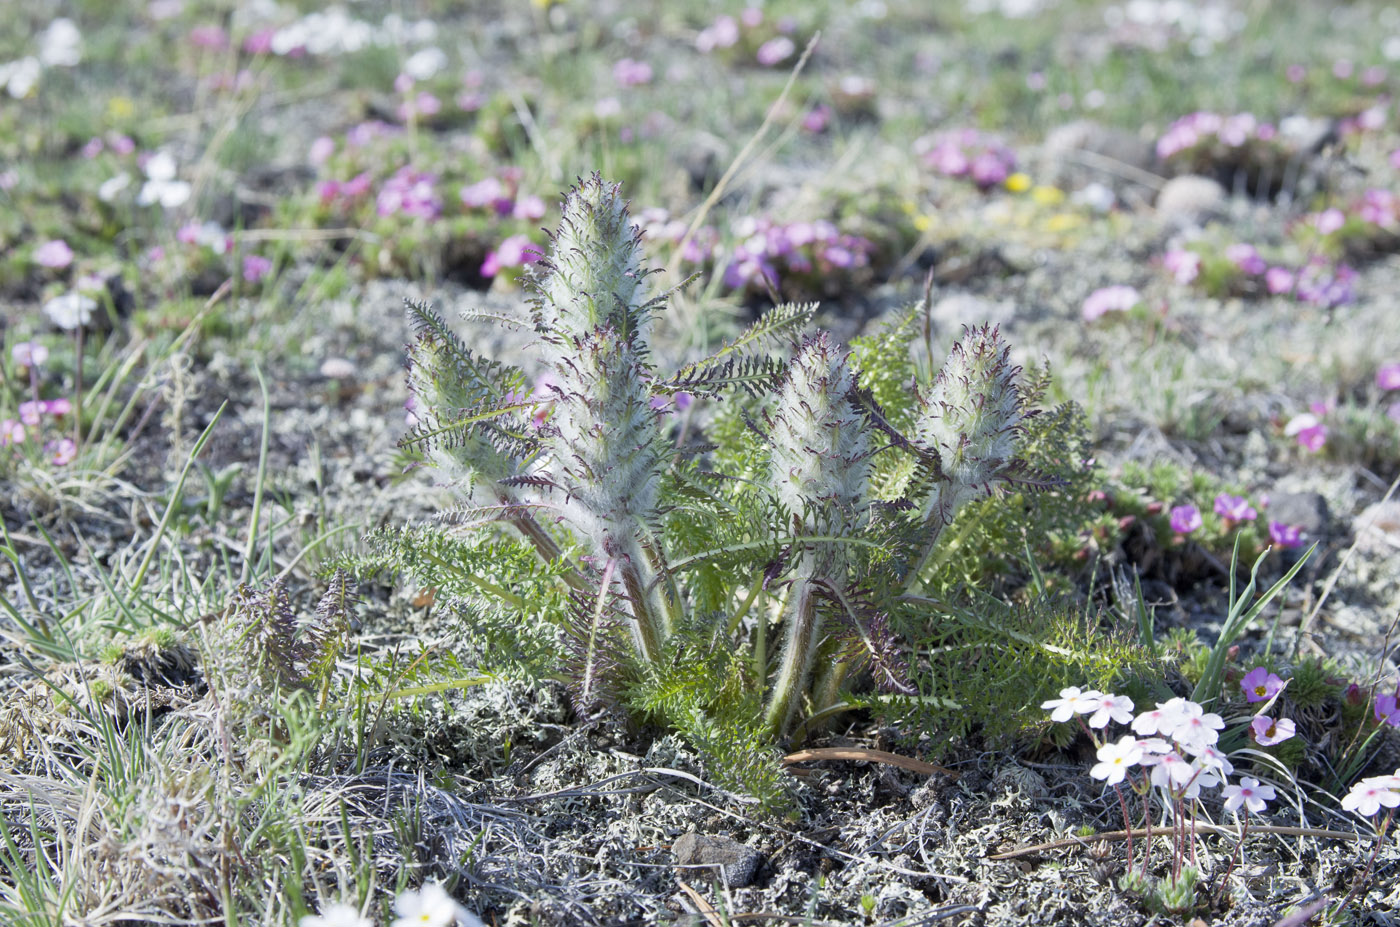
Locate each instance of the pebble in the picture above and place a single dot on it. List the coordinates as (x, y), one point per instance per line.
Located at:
(1190, 198)
(738, 862)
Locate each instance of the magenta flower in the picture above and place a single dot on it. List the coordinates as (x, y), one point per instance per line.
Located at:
(1246, 258)
(1268, 732)
(1388, 377)
(1386, 710)
(1234, 508)
(1283, 535)
(988, 170)
(58, 407)
(515, 251)
(259, 42)
(775, 51)
(1279, 280)
(29, 354)
(1185, 519)
(1118, 298)
(55, 254)
(255, 267)
(63, 451)
(1310, 433)
(1260, 685)
(816, 119)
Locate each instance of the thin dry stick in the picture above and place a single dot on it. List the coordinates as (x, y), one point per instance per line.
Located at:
(707, 910)
(1116, 835)
(723, 184)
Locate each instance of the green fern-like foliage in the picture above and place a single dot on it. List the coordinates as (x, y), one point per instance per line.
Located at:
(988, 664)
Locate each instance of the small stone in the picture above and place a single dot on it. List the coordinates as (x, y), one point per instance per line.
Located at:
(337, 368)
(1378, 529)
(738, 862)
(1190, 198)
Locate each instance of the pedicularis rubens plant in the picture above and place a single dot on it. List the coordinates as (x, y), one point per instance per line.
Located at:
(640, 572)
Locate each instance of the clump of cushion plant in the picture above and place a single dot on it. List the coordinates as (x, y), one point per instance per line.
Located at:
(673, 575)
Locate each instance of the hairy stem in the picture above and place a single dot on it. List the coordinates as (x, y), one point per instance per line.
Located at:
(799, 652)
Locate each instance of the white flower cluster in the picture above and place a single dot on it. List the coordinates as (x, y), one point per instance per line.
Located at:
(429, 907)
(1174, 743)
(1372, 794)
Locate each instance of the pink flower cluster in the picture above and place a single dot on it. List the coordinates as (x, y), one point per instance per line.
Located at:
(514, 251)
(1201, 128)
(1116, 298)
(1319, 282)
(769, 250)
(980, 157)
(409, 192)
(116, 142)
(501, 194)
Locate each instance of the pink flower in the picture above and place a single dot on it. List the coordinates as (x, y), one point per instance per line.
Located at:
(55, 254)
(208, 37)
(1246, 258)
(816, 119)
(93, 148)
(1310, 433)
(988, 170)
(1183, 265)
(630, 73)
(58, 407)
(514, 251)
(1118, 298)
(1185, 519)
(1296, 73)
(722, 33)
(1329, 221)
(1260, 685)
(1278, 280)
(259, 42)
(1388, 376)
(255, 267)
(1285, 535)
(1392, 411)
(1250, 793)
(11, 432)
(29, 412)
(483, 193)
(321, 150)
(63, 451)
(775, 51)
(29, 354)
(529, 208)
(1268, 732)
(1234, 508)
(357, 186)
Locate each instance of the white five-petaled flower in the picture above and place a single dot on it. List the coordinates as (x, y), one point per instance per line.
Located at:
(1116, 759)
(1198, 731)
(336, 915)
(161, 185)
(431, 906)
(70, 311)
(1370, 795)
(1072, 701)
(1165, 718)
(1117, 708)
(1248, 793)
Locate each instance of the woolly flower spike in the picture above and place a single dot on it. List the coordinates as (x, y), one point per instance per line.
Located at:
(603, 438)
(821, 445)
(971, 420)
(592, 277)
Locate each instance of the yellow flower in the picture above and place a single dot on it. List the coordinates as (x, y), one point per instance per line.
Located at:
(121, 108)
(1018, 182)
(1048, 196)
(923, 223)
(1063, 222)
